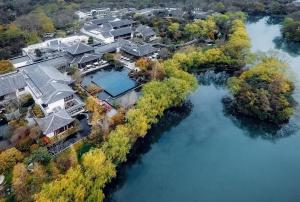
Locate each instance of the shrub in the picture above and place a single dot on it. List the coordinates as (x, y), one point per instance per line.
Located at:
(9, 158)
(40, 155)
(37, 111)
(5, 66)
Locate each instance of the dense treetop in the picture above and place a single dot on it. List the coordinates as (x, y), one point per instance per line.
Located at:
(264, 91)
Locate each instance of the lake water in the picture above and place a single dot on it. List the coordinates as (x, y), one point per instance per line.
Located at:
(202, 154)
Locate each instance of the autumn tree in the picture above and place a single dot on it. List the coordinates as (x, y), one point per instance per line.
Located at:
(73, 186)
(118, 144)
(5, 66)
(9, 158)
(238, 45)
(264, 92)
(137, 122)
(142, 63)
(95, 109)
(81, 183)
(93, 89)
(99, 170)
(173, 27)
(20, 176)
(205, 29)
(67, 159)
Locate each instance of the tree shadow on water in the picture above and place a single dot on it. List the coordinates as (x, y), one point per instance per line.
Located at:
(260, 129)
(292, 48)
(254, 18)
(170, 119)
(274, 20)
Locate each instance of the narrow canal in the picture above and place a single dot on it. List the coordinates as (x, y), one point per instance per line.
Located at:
(202, 154)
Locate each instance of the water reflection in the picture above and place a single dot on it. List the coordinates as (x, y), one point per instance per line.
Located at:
(210, 77)
(293, 49)
(254, 18)
(171, 118)
(211, 157)
(255, 128)
(274, 20)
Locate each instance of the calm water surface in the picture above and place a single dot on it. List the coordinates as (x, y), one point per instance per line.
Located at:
(209, 156)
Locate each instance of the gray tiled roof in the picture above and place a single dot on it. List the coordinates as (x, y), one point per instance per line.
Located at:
(54, 121)
(145, 31)
(101, 21)
(121, 23)
(22, 59)
(55, 91)
(9, 83)
(86, 58)
(90, 27)
(138, 50)
(47, 83)
(112, 47)
(79, 48)
(121, 31)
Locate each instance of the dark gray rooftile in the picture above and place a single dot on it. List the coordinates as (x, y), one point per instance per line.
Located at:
(79, 48)
(121, 23)
(121, 31)
(9, 83)
(54, 121)
(145, 31)
(86, 58)
(138, 50)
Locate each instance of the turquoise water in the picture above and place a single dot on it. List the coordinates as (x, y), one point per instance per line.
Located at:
(112, 81)
(206, 155)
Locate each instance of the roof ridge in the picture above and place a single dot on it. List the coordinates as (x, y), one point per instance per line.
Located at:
(56, 114)
(84, 55)
(50, 121)
(76, 48)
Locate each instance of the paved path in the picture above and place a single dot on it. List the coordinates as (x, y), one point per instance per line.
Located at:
(94, 69)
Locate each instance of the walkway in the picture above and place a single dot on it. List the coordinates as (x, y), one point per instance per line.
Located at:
(84, 72)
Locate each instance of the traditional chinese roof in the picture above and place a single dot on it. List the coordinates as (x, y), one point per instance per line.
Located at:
(47, 83)
(79, 48)
(82, 59)
(145, 31)
(121, 23)
(11, 82)
(138, 50)
(122, 31)
(54, 121)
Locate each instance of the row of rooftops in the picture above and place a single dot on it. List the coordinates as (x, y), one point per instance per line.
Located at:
(109, 27)
(103, 12)
(81, 53)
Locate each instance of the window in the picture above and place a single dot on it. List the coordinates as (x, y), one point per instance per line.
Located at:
(44, 105)
(68, 98)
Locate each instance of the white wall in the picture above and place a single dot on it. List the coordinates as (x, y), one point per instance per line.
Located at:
(19, 93)
(52, 106)
(50, 135)
(67, 40)
(98, 35)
